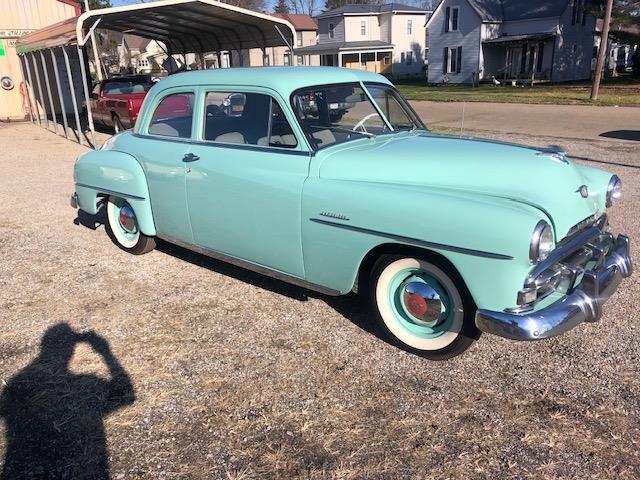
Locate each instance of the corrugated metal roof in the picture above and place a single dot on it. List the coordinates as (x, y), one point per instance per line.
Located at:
(183, 25)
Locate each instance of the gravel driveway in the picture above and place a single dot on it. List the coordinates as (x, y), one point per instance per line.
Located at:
(222, 373)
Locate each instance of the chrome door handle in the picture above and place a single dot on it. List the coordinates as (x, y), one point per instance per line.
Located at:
(190, 157)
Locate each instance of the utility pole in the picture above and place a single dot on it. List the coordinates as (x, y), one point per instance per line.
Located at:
(96, 58)
(602, 51)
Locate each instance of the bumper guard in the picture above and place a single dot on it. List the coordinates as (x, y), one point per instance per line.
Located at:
(583, 304)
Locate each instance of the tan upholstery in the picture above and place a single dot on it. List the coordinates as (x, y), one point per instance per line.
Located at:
(231, 137)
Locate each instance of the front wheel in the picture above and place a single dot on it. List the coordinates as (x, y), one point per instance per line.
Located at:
(422, 308)
(122, 228)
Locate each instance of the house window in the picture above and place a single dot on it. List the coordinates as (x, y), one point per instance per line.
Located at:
(287, 59)
(265, 60)
(386, 59)
(409, 58)
(452, 60)
(409, 27)
(363, 27)
(452, 18)
(300, 60)
(331, 32)
(299, 39)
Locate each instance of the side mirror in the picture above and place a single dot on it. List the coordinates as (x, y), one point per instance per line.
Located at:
(94, 95)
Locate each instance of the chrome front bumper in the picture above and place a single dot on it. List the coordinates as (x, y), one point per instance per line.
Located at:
(583, 304)
(73, 201)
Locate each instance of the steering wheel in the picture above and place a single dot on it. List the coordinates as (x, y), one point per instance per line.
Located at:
(361, 123)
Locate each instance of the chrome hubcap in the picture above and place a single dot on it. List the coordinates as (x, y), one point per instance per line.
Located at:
(127, 219)
(422, 302)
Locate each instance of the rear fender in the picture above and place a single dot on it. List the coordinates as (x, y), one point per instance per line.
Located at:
(107, 172)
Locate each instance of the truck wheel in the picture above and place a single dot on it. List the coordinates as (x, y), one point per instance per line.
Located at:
(421, 308)
(122, 228)
(117, 124)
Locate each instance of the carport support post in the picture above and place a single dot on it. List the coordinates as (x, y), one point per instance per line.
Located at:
(54, 60)
(73, 94)
(86, 96)
(46, 79)
(44, 107)
(26, 64)
(21, 60)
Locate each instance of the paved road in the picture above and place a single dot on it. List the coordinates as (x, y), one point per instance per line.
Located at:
(566, 121)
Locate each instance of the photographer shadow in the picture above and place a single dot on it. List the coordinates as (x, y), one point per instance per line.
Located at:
(55, 418)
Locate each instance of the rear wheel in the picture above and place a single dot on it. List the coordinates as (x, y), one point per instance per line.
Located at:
(421, 307)
(122, 228)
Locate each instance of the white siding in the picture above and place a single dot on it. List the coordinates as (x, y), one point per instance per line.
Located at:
(574, 48)
(404, 42)
(352, 28)
(467, 37)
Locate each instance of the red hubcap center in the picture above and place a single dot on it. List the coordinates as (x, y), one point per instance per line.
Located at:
(417, 306)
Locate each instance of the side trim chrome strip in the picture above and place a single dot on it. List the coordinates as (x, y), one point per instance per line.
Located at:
(111, 192)
(415, 241)
(252, 266)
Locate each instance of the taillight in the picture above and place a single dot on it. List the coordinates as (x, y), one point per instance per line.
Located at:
(130, 106)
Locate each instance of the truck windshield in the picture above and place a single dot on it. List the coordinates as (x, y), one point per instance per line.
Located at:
(331, 114)
(127, 86)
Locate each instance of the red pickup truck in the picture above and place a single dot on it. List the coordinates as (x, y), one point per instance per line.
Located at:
(115, 102)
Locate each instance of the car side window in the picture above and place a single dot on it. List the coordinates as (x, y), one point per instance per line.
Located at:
(246, 119)
(173, 116)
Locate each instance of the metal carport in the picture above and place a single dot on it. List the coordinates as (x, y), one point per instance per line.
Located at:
(183, 26)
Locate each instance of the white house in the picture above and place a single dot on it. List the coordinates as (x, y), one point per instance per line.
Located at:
(388, 39)
(511, 40)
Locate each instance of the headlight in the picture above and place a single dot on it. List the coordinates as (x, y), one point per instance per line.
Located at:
(614, 191)
(541, 242)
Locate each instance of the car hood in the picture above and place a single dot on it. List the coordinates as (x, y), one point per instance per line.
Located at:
(537, 177)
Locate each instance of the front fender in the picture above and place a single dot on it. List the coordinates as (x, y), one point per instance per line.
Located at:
(108, 172)
(485, 238)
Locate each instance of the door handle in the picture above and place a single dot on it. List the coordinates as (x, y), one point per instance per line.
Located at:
(190, 157)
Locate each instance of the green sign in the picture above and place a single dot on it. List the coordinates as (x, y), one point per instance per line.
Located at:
(1, 47)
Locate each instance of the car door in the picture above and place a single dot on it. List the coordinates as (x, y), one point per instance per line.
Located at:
(244, 181)
(161, 146)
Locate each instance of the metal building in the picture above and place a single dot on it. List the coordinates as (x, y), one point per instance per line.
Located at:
(54, 62)
(17, 18)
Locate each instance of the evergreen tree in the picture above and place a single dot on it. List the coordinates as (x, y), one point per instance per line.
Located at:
(281, 7)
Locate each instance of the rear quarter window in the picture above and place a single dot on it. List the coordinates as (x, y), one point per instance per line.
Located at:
(173, 117)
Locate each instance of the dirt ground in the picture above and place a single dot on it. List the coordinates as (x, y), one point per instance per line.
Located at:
(171, 365)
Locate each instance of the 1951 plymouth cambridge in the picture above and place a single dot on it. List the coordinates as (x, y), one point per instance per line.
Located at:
(326, 178)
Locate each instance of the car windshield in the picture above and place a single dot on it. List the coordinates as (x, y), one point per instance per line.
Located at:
(126, 86)
(331, 114)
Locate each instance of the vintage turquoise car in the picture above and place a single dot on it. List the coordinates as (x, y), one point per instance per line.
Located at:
(326, 178)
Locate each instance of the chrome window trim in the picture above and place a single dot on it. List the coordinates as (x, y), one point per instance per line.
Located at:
(236, 146)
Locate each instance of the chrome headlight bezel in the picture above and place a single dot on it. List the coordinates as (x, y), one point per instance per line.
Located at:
(614, 191)
(542, 242)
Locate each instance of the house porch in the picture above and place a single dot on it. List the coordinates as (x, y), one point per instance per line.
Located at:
(519, 58)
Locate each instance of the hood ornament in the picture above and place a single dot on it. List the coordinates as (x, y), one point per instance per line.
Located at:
(555, 153)
(583, 190)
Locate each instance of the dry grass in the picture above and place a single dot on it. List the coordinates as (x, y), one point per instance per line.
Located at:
(241, 377)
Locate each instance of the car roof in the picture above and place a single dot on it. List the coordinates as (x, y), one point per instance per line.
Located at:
(284, 80)
(127, 78)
